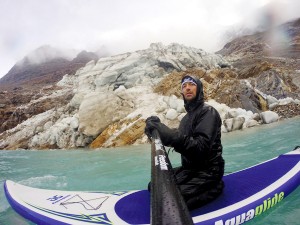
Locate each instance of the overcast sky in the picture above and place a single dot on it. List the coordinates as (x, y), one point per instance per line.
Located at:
(127, 25)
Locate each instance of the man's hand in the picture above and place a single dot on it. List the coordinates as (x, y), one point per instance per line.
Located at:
(150, 125)
(167, 135)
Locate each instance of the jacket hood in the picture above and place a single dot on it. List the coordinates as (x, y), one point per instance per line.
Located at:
(199, 99)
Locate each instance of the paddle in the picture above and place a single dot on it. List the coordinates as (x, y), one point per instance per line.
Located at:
(167, 203)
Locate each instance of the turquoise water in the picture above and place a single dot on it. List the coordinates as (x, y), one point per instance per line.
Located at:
(128, 168)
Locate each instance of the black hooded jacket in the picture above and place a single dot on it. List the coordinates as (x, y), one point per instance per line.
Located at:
(199, 141)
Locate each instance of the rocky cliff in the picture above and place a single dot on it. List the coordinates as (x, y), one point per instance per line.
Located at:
(106, 102)
(30, 79)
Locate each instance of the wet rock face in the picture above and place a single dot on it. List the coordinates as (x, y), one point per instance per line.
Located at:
(270, 83)
(9, 101)
(24, 104)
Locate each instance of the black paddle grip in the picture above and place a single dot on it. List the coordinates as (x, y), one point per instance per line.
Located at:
(167, 204)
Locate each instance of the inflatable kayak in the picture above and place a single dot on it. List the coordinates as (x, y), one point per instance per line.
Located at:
(247, 194)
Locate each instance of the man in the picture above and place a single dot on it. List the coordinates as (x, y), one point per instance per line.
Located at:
(198, 140)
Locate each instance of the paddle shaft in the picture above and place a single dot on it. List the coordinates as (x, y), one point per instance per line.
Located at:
(167, 203)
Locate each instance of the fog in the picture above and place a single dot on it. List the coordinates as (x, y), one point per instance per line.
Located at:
(123, 26)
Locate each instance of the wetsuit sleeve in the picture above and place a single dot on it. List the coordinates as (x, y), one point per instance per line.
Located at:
(205, 130)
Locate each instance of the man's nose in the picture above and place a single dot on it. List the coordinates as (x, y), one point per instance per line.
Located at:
(188, 86)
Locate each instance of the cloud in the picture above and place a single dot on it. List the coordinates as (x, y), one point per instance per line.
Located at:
(124, 26)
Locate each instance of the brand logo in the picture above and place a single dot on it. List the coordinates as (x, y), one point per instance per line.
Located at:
(158, 145)
(250, 214)
(57, 198)
(161, 161)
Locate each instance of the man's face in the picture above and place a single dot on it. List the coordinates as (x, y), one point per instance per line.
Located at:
(189, 91)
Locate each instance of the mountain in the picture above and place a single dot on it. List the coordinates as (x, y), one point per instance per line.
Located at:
(270, 56)
(44, 66)
(280, 41)
(38, 71)
(105, 102)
